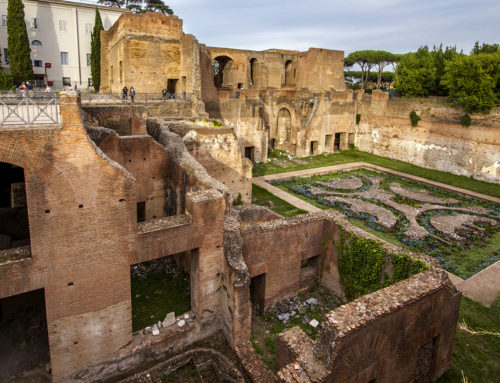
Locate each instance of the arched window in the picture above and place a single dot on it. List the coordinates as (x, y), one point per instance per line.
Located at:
(222, 67)
(284, 126)
(289, 73)
(253, 72)
(36, 43)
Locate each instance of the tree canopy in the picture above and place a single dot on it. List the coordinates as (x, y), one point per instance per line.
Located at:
(95, 51)
(473, 82)
(470, 81)
(368, 59)
(139, 6)
(21, 66)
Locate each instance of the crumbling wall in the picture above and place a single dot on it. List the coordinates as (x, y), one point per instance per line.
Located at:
(80, 207)
(218, 151)
(439, 141)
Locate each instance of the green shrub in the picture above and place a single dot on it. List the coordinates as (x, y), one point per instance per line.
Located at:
(466, 120)
(6, 82)
(414, 118)
(358, 118)
(217, 123)
(238, 200)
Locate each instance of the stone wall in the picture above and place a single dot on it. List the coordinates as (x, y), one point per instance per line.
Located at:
(439, 141)
(402, 333)
(81, 213)
(217, 150)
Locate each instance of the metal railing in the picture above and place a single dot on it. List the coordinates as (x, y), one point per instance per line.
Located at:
(139, 97)
(29, 108)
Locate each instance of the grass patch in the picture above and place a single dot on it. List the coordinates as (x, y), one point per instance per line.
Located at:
(261, 197)
(354, 155)
(154, 296)
(478, 356)
(386, 236)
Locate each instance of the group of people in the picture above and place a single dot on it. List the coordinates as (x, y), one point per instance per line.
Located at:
(126, 93)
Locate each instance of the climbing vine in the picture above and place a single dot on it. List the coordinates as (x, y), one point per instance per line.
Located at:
(361, 261)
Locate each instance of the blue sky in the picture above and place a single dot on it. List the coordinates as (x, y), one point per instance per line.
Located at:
(394, 25)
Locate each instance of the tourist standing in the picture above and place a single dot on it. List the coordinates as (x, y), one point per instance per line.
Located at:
(23, 89)
(164, 94)
(132, 93)
(124, 93)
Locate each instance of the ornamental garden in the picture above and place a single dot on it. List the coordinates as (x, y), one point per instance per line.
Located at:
(461, 232)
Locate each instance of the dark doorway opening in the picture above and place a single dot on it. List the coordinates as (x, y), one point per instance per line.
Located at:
(39, 81)
(171, 87)
(273, 142)
(250, 153)
(14, 226)
(314, 148)
(258, 292)
(24, 340)
(221, 67)
(336, 144)
(328, 142)
(141, 211)
(309, 271)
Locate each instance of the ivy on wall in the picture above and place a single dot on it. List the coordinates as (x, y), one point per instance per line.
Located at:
(361, 261)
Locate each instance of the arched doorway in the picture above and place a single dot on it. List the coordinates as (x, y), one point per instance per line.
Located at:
(289, 73)
(14, 227)
(222, 71)
(254, 72)
(284, 126)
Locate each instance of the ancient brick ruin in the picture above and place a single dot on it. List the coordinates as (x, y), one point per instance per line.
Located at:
(116, 186)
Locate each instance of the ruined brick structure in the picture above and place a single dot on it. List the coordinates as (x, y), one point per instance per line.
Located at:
(114, 186)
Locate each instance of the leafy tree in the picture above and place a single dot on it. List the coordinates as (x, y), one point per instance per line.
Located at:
(381, 59)
(416, 74)
(95, 51)
(365, 60)
(158, 6)
(485, 48)
(21, 66)
(139, 6)
(473, 81)
(6, 82)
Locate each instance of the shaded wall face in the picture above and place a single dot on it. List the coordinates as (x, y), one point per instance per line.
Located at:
(321, 69)
(413, 343)
(82, 234)
(148, 162)
(219, 153)
(280, 253)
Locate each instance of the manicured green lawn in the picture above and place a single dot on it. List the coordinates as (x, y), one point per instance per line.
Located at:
(477, 355)
(261, 196)
(347, 156)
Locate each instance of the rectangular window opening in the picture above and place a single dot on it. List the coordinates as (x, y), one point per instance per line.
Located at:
(161, 287)
(141, 211)
(66, 81)
(64, 58)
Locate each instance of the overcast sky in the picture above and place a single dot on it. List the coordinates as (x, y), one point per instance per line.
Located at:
(394, 25)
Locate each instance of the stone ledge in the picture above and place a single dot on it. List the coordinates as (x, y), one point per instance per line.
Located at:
(164, 223)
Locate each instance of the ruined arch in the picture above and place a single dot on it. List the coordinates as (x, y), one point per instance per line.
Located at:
(222, 66)
(254, 72)
(284, 126)
(289, 73)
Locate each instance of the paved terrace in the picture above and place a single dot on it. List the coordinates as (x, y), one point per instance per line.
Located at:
(483, 287)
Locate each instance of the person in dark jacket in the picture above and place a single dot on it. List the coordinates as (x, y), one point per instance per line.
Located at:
(131, 93)
(124, 93)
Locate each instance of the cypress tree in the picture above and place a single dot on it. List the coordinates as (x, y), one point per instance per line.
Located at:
(21, 67)
(95, 51)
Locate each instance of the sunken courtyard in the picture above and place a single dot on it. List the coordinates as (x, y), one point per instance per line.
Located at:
(132, 248)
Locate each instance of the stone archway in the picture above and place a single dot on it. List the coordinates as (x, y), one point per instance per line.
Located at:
(255, 73)
(289, 73)
(284, 127)
(222, 66)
